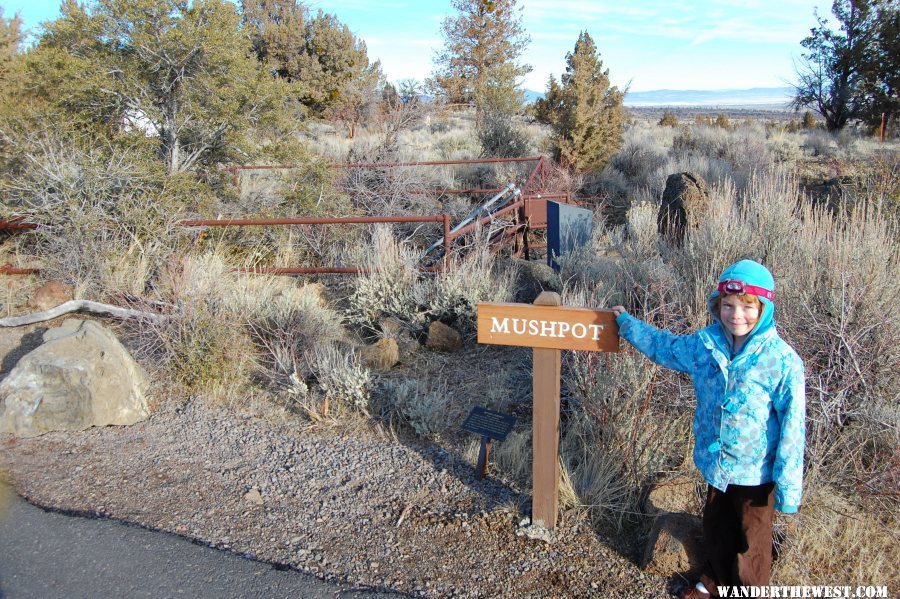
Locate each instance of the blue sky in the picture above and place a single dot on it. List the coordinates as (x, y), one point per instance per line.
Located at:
(674, 44)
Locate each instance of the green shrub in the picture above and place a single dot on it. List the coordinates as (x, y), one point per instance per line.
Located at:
(668, 119)
(500, 136)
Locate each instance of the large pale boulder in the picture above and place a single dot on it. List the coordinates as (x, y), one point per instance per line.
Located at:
(81, 376)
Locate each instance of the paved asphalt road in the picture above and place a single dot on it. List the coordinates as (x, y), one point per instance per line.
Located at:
(47, 555)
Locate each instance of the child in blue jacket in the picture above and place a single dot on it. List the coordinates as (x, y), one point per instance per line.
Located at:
(749, 426)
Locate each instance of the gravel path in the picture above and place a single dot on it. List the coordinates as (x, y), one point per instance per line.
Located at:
(348, 506)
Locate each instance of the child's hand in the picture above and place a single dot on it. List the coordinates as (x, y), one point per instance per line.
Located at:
(617, 310)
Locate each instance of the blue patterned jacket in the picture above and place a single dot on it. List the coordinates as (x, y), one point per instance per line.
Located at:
(750, 422)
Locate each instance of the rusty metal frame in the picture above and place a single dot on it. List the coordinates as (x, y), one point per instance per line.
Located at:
(532, 192)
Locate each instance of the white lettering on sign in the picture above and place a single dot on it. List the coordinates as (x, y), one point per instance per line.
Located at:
(496, 327)
(546, 328)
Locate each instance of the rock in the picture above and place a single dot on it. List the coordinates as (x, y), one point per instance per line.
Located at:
(381, 355)
(676, 495)
(685, 204)
(674, 545)
(535, 532)
(393, 328)
(49, 295)
(81, 376)
(253, 496)
(533, 277)
(443, 338)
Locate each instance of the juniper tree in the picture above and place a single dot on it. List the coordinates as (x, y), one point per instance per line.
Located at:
(11, 80)
(276, 30)
(584, 110)
(10, 56)
(852, 74)
(326, 66)
(480, 60)
(180, 71)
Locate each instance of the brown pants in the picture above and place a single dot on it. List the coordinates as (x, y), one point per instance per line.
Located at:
(737, 536)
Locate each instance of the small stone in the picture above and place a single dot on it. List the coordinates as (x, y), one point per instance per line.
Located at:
(49, 295)
(443, 338)
(253, 496)
(381, 355)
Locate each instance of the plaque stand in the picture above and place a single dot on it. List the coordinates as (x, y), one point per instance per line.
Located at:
(489, 425)
(483, 455)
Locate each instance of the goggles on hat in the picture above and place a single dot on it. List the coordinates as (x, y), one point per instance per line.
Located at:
(736, 286)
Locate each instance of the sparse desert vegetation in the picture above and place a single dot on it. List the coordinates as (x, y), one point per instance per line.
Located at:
(289, 343)
(820, 208)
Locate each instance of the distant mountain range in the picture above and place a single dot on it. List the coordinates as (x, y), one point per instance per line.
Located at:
(757, 96)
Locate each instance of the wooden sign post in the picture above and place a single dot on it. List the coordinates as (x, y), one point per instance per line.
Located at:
(548, 328)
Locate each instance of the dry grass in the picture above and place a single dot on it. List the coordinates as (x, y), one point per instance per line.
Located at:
(837, 282)
(834, 540)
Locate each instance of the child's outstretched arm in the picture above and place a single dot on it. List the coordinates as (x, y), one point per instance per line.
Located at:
(666, 349)
(790, 408)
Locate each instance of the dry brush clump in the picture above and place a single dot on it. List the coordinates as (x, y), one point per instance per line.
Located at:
(393, 284)
(106, 212)
(425, 405)
(308, 189)
(231, 334)
(613, 443)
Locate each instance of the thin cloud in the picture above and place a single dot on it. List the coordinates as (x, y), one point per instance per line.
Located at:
(576, 10)
(393, 42)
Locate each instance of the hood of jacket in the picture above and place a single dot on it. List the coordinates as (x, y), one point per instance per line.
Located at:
(751, 273)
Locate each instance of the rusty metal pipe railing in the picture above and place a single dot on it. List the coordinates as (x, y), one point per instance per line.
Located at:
(350, 165)
(17, 223)
(435, 162)
(339, 220)
(234, 169)
(419, 192)
(468, 228)
(314, 270)
(9, 269)
(291, 270)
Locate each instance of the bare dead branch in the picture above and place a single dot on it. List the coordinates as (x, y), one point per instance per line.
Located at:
(87, 306)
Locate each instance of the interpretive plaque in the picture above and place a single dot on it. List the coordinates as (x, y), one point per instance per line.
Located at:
(489, 423)
(568, 228)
